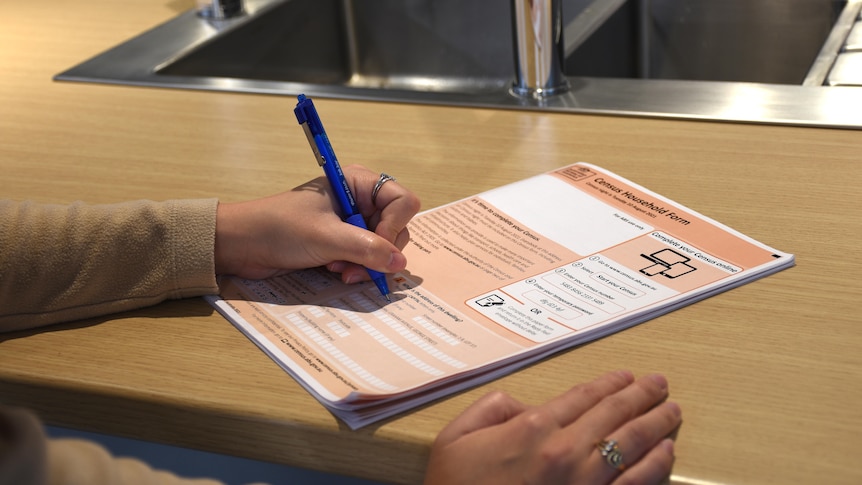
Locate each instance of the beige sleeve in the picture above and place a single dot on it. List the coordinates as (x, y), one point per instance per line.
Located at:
(61, 263)
(28, 458)
(80, 462)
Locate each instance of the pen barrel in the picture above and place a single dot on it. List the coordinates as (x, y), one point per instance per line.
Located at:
(307, 116)
(356, 220)
(337, 181)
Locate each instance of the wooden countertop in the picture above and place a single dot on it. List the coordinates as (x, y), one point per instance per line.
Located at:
(767, 374)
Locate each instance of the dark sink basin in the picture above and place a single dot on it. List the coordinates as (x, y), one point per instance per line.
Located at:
(390, 44)
(673, 58)
(761, 41)
(465, 46)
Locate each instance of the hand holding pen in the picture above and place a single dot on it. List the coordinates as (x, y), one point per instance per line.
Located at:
(301, 228)
(349, 209)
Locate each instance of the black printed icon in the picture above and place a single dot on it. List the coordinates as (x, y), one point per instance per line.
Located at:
(578, 172)
(489, 301)
(668, 263)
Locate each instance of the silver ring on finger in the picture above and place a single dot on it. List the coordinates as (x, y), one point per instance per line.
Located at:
(610, 451)
(380, 181)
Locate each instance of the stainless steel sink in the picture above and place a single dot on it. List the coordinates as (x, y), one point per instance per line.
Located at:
(765, 61)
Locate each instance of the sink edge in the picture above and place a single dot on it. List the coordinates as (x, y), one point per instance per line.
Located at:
(819, 106)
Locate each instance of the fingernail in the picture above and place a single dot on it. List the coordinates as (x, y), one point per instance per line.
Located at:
(674, 407)
(627, 375)
(660, 380)
(667, 445)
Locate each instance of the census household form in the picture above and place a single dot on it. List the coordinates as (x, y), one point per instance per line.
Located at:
(494, 282)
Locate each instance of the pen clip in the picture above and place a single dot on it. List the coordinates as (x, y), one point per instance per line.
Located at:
(308, 134)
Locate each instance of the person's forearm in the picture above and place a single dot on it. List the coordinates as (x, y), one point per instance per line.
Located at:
(27, 457)
(61, 263)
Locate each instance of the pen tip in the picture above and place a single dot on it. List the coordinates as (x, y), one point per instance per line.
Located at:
(387, 298)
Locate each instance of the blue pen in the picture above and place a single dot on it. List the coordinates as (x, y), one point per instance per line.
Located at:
(307, 116)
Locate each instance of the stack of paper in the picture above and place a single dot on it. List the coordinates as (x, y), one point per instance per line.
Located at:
(495, 282)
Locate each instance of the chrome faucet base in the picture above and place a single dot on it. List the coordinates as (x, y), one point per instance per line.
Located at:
(537, 27)
(220, 9)
(540, 93)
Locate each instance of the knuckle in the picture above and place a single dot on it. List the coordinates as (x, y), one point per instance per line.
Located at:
(651, 388)
(639, 437)
(412, 202)
(538, 421)
(497, 397)
(670, 420)
(588, 392)
(619, 404)
(556, 457)
(372, 246)
(595, 391)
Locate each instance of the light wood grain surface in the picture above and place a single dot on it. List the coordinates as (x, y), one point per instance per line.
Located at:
(767, 374)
